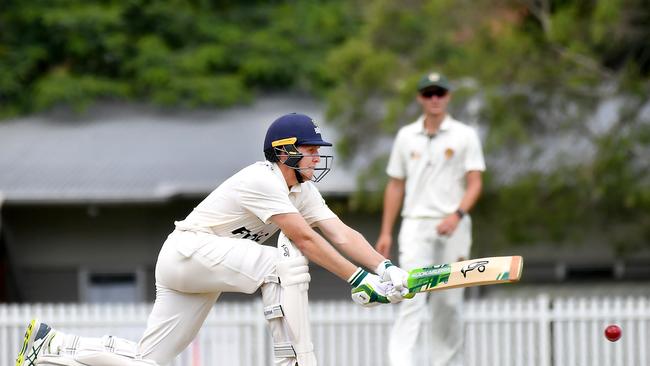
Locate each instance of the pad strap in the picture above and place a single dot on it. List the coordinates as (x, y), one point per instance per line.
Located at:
(273, 312)
(284, 350)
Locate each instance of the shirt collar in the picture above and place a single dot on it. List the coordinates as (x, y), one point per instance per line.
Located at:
(444, 126)
(278, 173)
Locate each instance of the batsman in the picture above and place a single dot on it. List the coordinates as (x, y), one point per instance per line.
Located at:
(216, 249)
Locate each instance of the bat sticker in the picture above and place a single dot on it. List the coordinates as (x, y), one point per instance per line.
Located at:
(480, 265)
(425, 278)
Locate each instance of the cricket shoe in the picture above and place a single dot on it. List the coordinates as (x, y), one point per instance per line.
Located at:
(36, 335)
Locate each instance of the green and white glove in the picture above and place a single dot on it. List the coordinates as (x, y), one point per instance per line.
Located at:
(397, 277)
(367, 289)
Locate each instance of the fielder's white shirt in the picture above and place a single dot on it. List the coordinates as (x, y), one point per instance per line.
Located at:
(241, 207)
(434, 166)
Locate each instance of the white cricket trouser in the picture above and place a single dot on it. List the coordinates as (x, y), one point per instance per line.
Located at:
(421, 246)
(189, 283)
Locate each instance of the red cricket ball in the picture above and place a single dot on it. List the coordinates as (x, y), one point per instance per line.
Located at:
(613, 333)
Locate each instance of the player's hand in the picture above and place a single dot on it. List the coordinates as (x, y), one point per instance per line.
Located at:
(448, 225)
(395, 296)
(388, 272)
(367, 289)
(383, 245)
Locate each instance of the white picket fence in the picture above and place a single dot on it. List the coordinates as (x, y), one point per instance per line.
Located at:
(533, 332)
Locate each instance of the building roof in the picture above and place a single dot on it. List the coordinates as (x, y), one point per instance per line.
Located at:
(117, 152)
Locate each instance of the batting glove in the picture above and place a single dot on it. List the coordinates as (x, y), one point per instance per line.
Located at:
(397, 277)
(367, 289)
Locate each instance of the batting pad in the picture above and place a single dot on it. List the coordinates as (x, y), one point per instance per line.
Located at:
(71, 350)
(286, 309)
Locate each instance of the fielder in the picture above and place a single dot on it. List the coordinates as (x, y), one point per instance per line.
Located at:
(435, 171)
(217, 249)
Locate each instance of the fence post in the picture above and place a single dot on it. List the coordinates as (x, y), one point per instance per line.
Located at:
(545, 320)
(264, 355)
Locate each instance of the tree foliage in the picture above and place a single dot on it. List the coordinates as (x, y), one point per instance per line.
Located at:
(180, 53)
(558, 88)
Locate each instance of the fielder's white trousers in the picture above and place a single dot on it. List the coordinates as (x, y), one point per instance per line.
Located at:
(189, 282)
(421, 246)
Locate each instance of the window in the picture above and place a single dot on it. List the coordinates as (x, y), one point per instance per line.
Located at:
(111, 286)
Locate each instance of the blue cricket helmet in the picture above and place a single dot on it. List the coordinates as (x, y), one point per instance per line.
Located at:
(293, 129)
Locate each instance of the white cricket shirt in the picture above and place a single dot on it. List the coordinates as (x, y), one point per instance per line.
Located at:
(434, 166)
(241, 207)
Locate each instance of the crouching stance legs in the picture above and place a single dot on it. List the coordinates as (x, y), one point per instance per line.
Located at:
(286, 308)
(45, 346)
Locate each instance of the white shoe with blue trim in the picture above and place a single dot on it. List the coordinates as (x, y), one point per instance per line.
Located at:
(36, 335)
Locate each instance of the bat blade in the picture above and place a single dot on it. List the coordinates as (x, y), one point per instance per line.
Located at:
(473, 272)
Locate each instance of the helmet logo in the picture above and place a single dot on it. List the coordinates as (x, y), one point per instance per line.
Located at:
(434, 76)
(316, 127)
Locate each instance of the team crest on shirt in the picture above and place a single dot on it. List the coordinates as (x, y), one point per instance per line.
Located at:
(415, 155)
(449, 153)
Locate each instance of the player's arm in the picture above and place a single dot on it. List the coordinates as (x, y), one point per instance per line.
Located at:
(474, 186)
(312, 245)
(393, 197)
(350, 242)
(367, 289)
(474, 165)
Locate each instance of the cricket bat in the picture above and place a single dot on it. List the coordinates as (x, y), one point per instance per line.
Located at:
(473, 272)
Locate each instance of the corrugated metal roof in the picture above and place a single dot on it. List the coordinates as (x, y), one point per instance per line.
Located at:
(116, 152)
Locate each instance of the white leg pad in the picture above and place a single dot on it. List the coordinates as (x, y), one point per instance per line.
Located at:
(71, 350)
(286, 309)
(57, 361)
